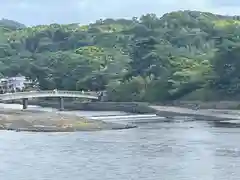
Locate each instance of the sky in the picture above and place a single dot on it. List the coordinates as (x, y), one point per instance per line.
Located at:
(35, 12)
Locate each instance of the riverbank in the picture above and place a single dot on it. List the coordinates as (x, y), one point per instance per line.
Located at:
(214, 111)
(133, 107)
(200, 110)
(129, 107)
(38, 121)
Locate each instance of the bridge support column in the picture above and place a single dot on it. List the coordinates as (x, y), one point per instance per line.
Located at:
(61, 104)
(25, 103)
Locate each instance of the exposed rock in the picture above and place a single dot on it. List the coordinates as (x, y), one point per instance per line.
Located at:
(19, 124)
(2, 127)
(46, 129)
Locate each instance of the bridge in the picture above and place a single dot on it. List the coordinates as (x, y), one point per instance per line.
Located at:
(38, 94)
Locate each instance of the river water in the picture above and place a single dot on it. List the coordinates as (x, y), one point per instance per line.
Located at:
(154, 151)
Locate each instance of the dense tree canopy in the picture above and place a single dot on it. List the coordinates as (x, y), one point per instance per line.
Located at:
(143, 59)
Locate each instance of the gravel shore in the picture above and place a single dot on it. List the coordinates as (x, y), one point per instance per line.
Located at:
(38, 121)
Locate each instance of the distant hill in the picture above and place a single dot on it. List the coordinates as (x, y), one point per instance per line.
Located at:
(148, 58)
(10, 24)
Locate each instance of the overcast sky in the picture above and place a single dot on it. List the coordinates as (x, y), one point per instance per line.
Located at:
(34, 12)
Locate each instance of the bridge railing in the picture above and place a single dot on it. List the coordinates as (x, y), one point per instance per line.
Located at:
(50, 92)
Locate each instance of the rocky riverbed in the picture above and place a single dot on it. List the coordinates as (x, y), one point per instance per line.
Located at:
(38, 121)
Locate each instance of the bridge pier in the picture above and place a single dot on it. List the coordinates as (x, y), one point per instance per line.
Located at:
(25, 103)
(61, 103)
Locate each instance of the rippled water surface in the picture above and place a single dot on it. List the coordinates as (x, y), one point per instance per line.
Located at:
(159, 151)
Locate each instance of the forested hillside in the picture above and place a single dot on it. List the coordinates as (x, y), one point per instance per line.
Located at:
(144, 59)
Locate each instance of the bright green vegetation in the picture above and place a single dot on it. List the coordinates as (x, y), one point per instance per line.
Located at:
(184, 54)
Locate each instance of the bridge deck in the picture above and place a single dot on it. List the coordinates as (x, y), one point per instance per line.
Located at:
(37, 94)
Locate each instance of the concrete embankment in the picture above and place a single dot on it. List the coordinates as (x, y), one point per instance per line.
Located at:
(130, 107)
(185, 109)
(199, 114)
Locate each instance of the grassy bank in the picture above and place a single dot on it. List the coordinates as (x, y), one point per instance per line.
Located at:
(37, 121)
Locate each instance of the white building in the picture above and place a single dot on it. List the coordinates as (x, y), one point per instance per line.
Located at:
(13, 84)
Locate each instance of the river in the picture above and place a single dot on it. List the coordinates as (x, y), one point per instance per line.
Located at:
(154, 151)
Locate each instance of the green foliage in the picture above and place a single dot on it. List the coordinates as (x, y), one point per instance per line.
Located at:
(143, 59)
